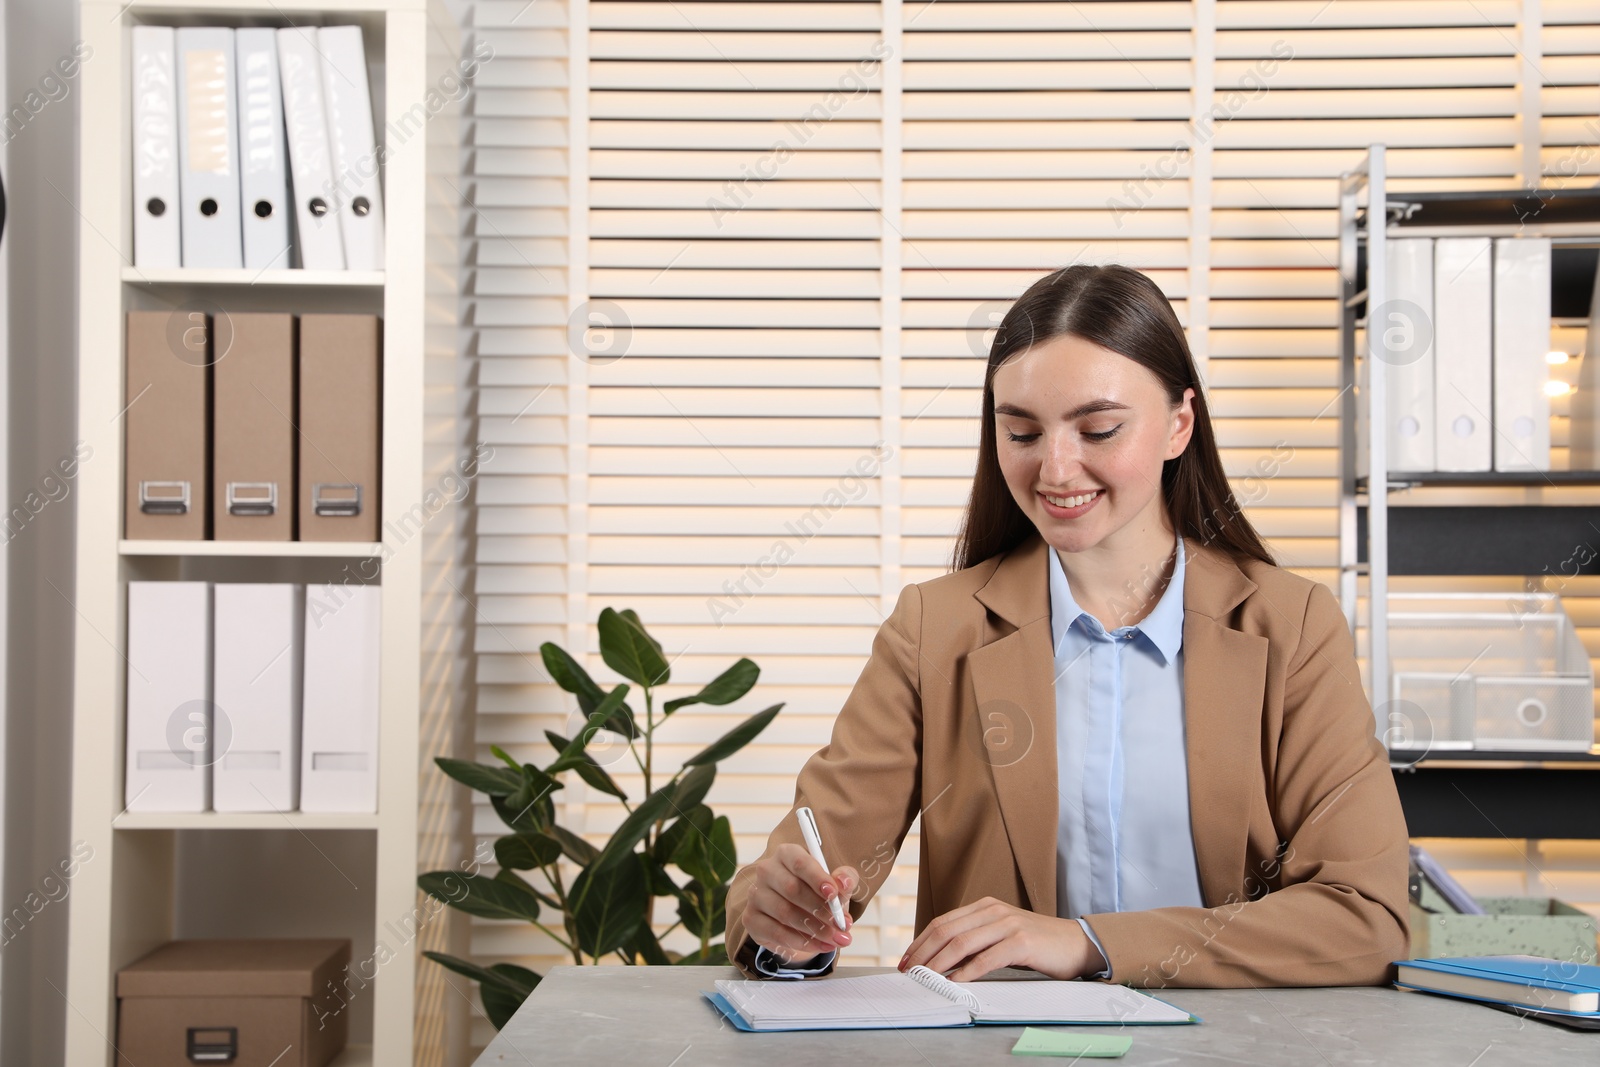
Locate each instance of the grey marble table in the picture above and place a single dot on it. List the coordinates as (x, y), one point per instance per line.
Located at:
(655, 1017)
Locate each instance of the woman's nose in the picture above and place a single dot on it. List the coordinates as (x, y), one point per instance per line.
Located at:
(1063, 460)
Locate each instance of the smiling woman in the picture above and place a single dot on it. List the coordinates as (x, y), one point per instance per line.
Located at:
(1096, 351)
(1140, 750)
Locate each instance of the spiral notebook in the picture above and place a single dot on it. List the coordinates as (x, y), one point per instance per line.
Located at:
(923, 997)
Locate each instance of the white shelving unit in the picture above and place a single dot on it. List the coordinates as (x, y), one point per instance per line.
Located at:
(1576, 225)
(127, 898)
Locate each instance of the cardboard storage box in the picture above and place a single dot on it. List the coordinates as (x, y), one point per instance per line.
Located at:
(247, 1003)
(1529, 926)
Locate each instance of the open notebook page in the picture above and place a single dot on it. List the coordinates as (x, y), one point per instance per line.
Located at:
(867, 1001)
(1083, 1002)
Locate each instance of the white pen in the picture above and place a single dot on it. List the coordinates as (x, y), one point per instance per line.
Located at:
(808, 830)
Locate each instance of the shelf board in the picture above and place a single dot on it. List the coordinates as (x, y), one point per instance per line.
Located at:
(1473, 207)
(1473, 757)
(324, 549)
(270, 7)
(1502, 479)
(240, 820)
(320, 279)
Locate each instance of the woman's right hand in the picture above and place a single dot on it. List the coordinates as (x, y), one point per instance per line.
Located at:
(787, 911)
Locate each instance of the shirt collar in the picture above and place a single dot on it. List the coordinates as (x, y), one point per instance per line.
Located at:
(1163, 626)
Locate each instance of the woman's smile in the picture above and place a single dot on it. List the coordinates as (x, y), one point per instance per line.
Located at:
(1069, 507)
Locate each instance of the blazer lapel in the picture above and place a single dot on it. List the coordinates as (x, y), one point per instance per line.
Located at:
(1013, 680)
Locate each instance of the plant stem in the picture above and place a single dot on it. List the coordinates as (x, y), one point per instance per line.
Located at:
(552, 874)
(649, 736)
(551, 934)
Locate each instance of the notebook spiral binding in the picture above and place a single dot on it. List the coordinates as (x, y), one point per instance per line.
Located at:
(943, 986)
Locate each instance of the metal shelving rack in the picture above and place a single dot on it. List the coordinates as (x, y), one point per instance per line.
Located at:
(1510, 793)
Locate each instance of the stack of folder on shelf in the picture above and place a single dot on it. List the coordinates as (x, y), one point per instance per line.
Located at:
(1463, 339)
(1535, 986)
(214, 169)
(248, 697)
(258, 426)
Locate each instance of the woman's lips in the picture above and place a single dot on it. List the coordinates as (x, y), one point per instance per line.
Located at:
(1070, 513)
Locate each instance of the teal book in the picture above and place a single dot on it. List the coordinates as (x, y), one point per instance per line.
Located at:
(1536, 982)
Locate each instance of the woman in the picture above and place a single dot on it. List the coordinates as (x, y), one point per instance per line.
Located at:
(1141, 751)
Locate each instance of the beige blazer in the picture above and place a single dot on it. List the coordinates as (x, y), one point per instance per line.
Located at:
(1298, 832)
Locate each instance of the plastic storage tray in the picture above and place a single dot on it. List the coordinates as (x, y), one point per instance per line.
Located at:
(1494, 671)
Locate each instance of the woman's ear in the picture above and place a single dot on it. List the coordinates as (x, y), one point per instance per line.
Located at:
(1182, 425)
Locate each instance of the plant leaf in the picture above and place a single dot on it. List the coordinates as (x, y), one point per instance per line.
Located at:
(609, 905)
(724, 855)
(499, 1002)
(577, 849)
(596, 776)
(526, 852)
(528, 819)
(633, 617)
(635, 826)
(631, 652)
(574, 679)
(693, 787)
(667, 844)
(725, 688)
(572, 754)
(566, 671)
(707, 853)
(506, 758)
(645, 945)
(734, 739)
(692, 859)
(495, 781)
(689, 909)
(661, 883)
(589, 770)
(517, 980)
(474, 894)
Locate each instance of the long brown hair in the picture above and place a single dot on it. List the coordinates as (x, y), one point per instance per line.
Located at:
(1118, 308)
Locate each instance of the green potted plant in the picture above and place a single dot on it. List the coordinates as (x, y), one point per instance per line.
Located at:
(607, 905)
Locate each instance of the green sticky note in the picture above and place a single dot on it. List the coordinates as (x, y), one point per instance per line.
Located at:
(1036, 1042)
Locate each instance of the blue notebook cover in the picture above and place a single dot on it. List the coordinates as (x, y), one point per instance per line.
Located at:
(1538, 971)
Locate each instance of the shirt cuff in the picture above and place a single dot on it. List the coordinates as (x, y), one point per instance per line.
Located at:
(1107, 972)
(772, 966)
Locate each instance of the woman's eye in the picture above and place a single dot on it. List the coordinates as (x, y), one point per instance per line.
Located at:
(1104, 435)
(1023, 437)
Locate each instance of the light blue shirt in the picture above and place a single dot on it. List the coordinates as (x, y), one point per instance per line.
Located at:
(1123, 841)
(1123, 830)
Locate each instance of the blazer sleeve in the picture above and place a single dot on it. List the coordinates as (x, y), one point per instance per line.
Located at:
(864, 785)
(1340, 912)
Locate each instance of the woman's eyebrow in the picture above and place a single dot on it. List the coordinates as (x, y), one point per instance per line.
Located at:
(1103, 404)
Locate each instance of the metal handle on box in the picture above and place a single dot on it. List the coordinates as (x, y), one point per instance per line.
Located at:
(213, 1044)
(336, 500)
(252, 498)
(164, 498)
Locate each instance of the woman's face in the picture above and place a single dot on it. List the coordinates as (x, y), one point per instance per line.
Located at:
(1082, 432)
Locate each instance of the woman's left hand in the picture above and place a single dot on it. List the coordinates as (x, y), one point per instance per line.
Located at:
(988, 934)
